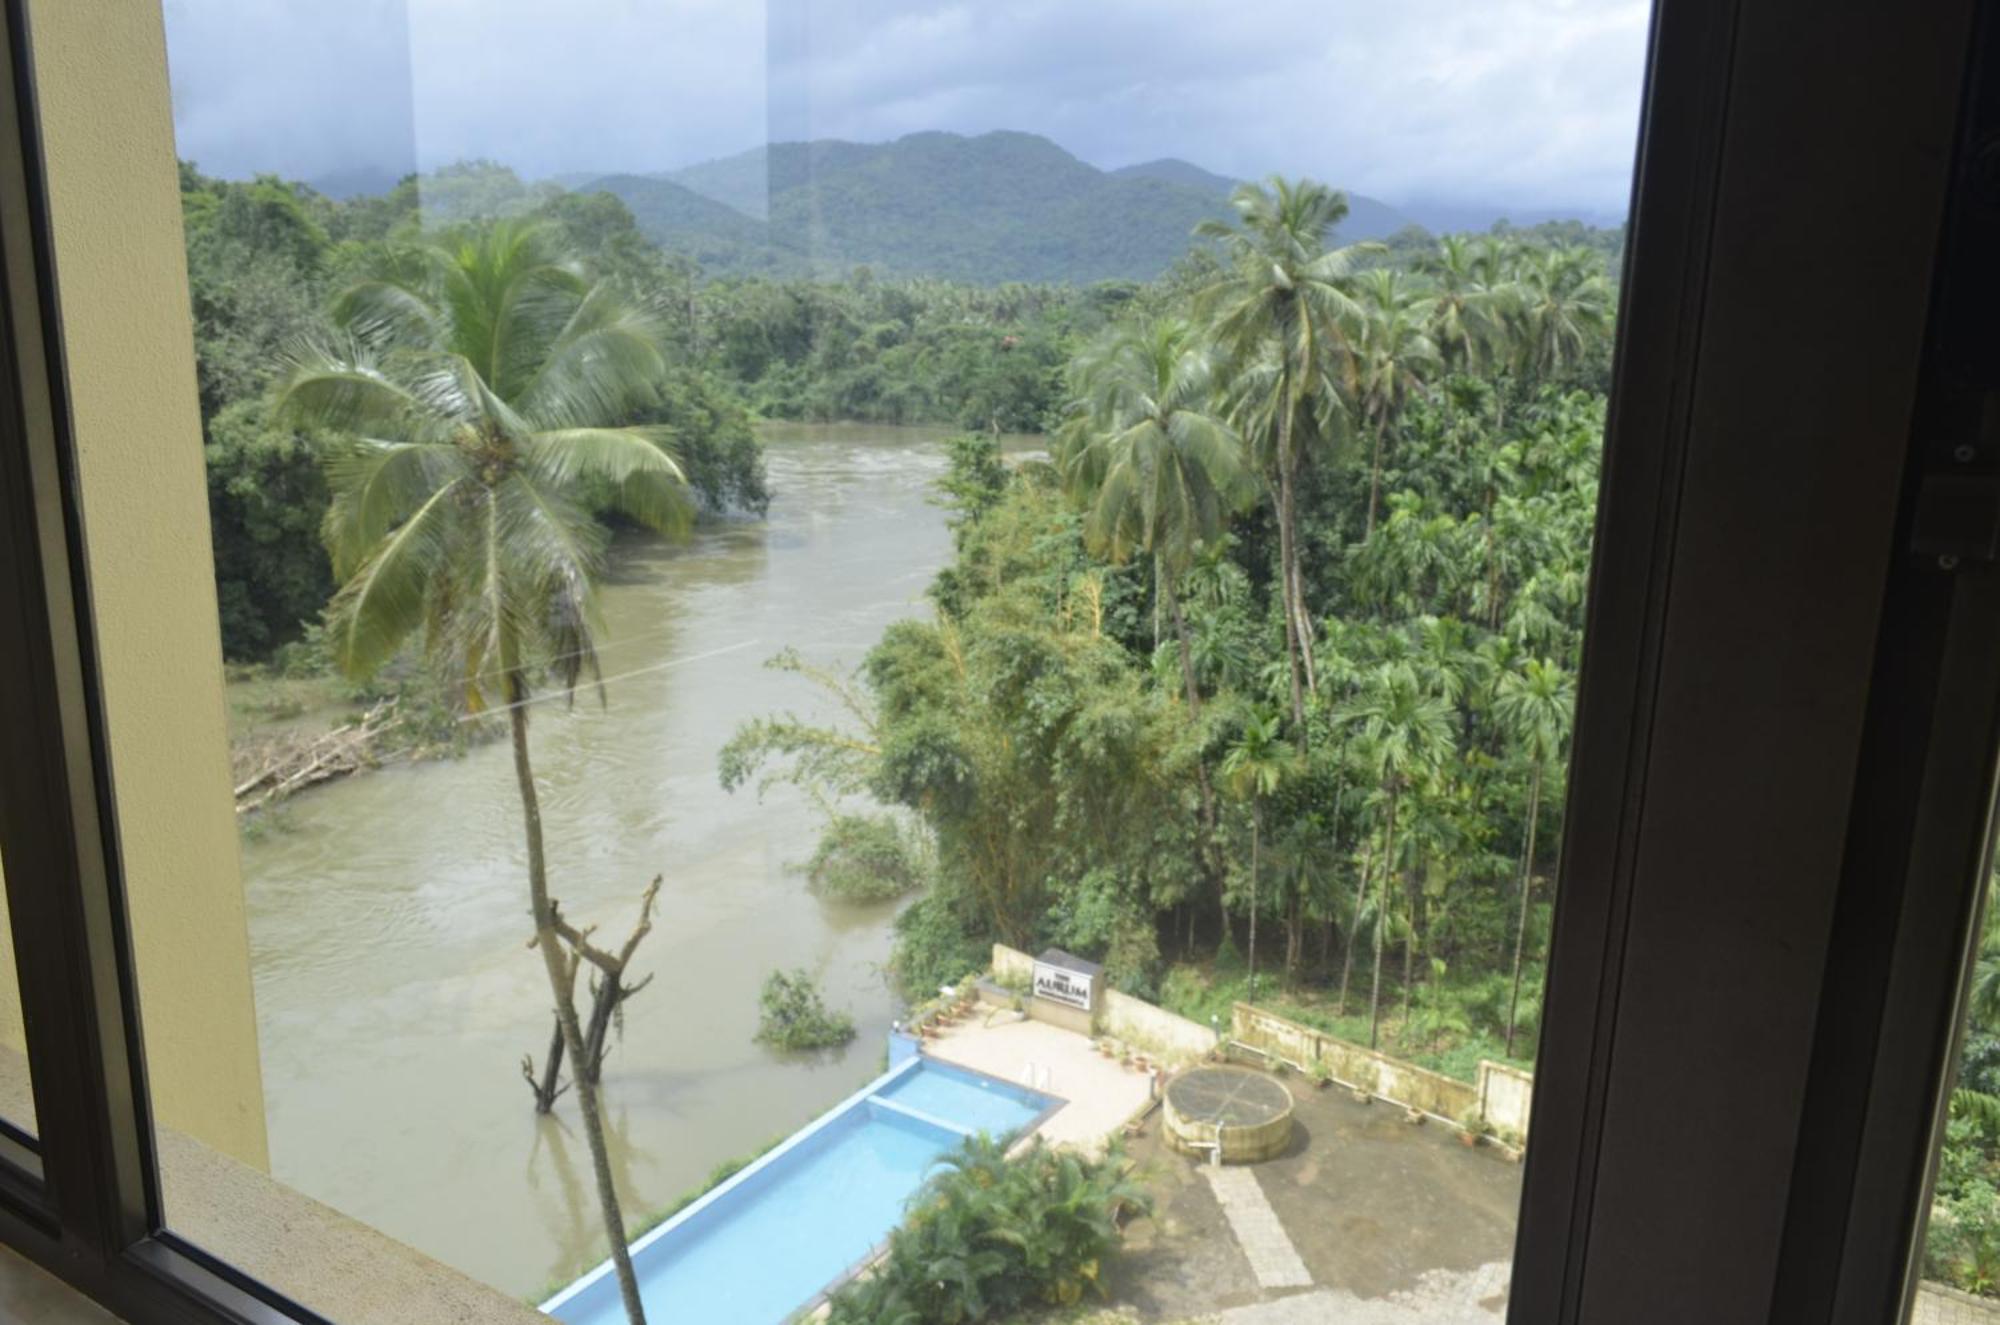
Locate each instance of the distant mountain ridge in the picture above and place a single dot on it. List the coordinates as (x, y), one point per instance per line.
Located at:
(1001, 206)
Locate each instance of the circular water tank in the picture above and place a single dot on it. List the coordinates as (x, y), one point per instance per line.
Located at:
(1248, 1114)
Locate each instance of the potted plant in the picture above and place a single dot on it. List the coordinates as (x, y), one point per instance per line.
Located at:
(1322, 1074)
(1105, 1047)
(1143, 1063)
(1475, 1130)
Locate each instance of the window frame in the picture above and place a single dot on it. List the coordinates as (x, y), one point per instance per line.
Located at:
(82, 1198)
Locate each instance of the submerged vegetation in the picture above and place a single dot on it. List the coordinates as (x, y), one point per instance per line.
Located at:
(792, 1015)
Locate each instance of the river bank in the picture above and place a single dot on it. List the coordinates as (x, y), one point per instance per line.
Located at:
(395, 995)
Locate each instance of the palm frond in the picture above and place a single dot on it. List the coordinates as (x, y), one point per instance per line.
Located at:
(375, 485)
(387, 597)
(648, 482)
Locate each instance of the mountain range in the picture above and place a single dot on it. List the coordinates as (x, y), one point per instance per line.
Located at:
(1001, 206)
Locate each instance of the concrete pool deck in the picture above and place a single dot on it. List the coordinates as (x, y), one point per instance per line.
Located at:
(1099, 1094)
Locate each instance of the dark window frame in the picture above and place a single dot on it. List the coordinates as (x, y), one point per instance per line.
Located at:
(82, 1198)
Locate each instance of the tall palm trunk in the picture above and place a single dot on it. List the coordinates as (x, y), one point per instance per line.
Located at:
(1256, 833)
(1492, 566)
(562, 986)
(1287, 575)
(1375, 479)
(1211, 854)
(1382, 921)
(1527, 892)
(1413, 895)
(1295, 931)
(1354, 931)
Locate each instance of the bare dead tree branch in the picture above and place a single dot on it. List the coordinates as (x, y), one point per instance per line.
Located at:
(608, 994)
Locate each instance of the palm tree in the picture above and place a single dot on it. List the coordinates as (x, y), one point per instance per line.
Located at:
(1562, 303)
(1463, 312)
(1534, 706)
(1407, 731)
(476, 396)
(1256, 766)
(1394, 357)
(1283, 301)
(1158, 471)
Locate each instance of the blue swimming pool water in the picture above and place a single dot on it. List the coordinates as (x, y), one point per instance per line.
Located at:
(771, 1239)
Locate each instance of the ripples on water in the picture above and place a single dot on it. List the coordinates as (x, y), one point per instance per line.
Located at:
(395, 994)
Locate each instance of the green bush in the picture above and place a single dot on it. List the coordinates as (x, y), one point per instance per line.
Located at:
(989, 1236)
(867, 858)
(934, 945)
(796, 1017)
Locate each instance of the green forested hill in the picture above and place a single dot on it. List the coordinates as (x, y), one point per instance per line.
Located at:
(683, 221)
(998, 207)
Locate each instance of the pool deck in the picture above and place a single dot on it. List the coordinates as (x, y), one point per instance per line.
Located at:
(1099, 1094)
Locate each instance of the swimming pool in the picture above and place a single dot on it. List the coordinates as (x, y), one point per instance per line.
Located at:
(778, 1234)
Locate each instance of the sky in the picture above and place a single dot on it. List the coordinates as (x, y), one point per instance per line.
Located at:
(1530, 105)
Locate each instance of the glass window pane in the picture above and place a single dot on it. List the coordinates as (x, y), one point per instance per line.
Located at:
(991, 573)
(17, 1099)
(1960, 1262)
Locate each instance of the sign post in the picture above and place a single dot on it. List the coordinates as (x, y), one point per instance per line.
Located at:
(1066, 990)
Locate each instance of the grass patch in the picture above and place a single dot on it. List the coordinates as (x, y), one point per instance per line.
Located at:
(1449, 1032)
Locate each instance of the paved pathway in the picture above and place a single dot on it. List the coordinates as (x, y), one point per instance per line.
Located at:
(1440, 1298)
(1273, 1258)
(1938, 1305)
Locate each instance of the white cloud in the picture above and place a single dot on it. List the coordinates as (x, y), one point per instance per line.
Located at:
(1523, 103)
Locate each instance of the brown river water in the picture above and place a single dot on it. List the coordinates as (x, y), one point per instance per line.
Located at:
(395, 995)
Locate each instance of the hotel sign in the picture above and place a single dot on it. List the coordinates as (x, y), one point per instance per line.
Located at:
(1060, 984)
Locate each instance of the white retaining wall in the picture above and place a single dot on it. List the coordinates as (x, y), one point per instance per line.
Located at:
(1121, 1016)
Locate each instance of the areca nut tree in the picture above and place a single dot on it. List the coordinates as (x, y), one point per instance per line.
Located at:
(1407, 732)
(1534, 707)
(1255, 768)
(475, 401)
(1394, 357)
(1284, 297)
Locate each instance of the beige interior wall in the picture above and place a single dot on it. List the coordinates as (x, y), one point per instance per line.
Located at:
(114, 197)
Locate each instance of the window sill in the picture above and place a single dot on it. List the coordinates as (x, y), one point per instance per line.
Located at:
(319, 1257)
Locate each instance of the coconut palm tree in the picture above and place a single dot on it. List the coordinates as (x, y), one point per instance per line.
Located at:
(1563, 302)
(1534, 706)
(1394, 357)
(1406, 731)
(1463, 313)
(1254, 769)
(1283, 301)
(475, 403)
(1157, 470)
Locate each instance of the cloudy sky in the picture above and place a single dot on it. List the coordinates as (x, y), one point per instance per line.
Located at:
(1525, 104)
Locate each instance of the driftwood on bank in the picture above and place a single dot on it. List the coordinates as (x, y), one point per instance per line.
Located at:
(299, 762)
(608, 992)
